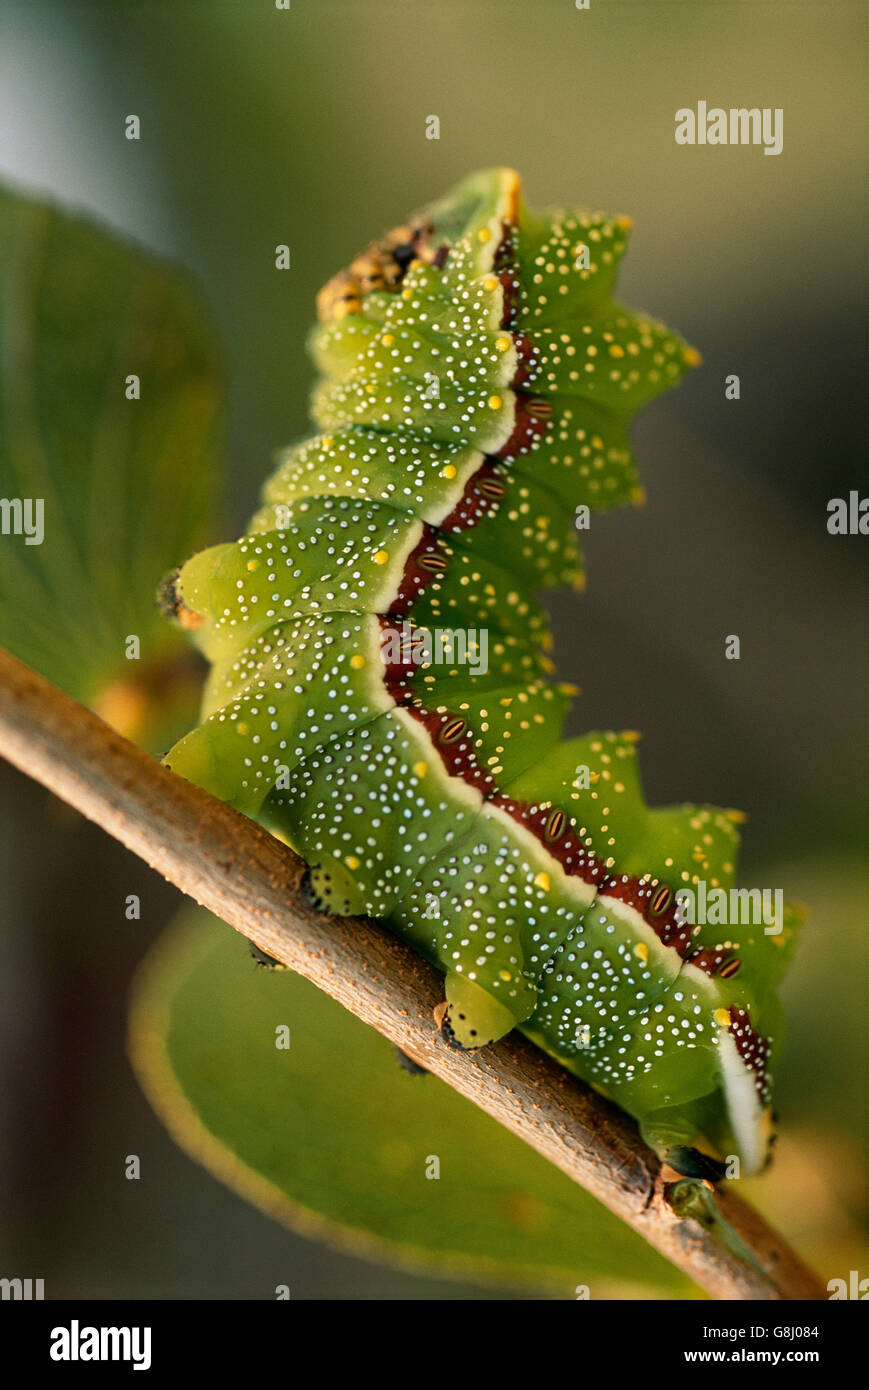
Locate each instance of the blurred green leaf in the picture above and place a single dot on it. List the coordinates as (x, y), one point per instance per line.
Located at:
(333, 1138)
(128, 486)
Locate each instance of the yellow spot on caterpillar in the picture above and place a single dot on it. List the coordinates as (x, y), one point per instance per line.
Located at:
(692, 356)
(381, 557)
(641, 951)
(548, 666)
(351, 861)
(449, 471)
(357, 662)
(490, 283)
(253, 564)
(624, 224)
(616, 351)
(722, 1018)
(495, 402)
(420, 769)
(241, 728)
(387, 340)
(484, 234)
(542, 881)
(502, 344)
(505, 975)
(638, 496)
(568, 689)
(736, 817)
(327, 441)
(631, 735)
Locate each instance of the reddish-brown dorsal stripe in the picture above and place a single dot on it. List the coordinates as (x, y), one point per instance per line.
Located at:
(455, 745)
(424, 564)
(657, 905)
(528, 429)
(715, 960)
(752, 1048)
(397, 653)
(575, 858)
(505, 251)
(527, 364)
(512, 288)
(482, 494)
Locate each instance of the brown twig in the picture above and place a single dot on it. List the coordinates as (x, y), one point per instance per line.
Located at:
(233, 867)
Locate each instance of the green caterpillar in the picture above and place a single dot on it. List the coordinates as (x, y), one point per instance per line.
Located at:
(477, 387)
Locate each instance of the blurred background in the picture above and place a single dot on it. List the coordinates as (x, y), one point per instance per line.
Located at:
(307, 127)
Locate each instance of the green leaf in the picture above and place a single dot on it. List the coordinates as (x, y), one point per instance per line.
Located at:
(333, 1138)
(128, 486)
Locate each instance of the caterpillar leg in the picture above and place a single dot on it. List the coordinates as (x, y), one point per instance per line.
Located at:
(671, 1134)
(470, 1018)
(263, 958)
(330, 888)
(408, 1064)
(692, 1163)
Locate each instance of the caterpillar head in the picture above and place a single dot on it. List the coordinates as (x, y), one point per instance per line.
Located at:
(425, 237)
(381, 266)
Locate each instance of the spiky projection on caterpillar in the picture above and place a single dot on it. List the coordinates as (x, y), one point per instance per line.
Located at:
(477, 386)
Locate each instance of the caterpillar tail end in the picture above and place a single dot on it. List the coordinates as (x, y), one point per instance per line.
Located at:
(696, 1201)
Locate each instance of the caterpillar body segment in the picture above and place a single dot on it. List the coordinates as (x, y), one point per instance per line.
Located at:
(380, 694)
